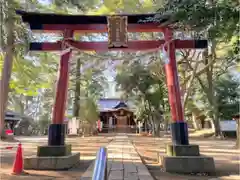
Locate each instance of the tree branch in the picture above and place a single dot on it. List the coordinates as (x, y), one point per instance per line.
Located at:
(189, 87)
(201, 71)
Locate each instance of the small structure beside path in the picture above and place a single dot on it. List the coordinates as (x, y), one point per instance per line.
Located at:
(236, 117)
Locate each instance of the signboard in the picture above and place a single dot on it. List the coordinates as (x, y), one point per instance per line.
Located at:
(228, 126)
(117, 32)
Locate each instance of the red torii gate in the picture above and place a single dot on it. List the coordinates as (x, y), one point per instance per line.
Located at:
(68, 24)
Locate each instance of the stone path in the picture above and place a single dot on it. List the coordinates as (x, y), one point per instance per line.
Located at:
(124, 163)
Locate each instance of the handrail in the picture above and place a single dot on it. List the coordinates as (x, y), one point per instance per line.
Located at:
(100, 166)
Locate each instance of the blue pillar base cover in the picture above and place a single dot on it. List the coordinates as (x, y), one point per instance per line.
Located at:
(179, 132)
(56, 135)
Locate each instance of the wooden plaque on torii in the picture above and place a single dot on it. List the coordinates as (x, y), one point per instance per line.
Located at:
(117, 31)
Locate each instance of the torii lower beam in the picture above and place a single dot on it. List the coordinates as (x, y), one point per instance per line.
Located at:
(102, 46)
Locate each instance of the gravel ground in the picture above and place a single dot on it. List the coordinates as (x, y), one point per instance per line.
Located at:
(225, 156)
(87, 146)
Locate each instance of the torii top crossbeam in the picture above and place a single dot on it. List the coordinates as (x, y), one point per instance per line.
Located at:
(85, 23)
(98, 24)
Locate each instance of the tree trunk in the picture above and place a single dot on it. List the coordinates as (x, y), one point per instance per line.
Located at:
(211, 92)
(202, 120)
(157, 128)
(216, 120)
(76, 105)
(238, 134)
(209, 88)
(212, 124)
(217, 130)
(6, 73)
(166, 124)
(195, 122)
(139, 127)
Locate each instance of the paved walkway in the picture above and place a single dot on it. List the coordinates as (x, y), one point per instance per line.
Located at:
(124, 163)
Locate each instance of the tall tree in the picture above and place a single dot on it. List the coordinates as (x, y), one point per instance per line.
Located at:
(227, 92)
(148, 90)
(219, 21)
(14, 38)
(8, 60)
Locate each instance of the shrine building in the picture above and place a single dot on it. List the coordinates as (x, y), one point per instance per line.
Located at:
(117, 115)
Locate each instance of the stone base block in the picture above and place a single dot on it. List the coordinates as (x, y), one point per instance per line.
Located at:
(182, 150)
(188, 164)
(51, 162)
(64, 150)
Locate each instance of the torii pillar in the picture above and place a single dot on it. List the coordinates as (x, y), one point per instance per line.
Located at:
(56, 132)
(182, 157)
(179, 128)
(57, 155)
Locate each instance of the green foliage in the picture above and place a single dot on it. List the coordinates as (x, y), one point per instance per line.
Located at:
(47, 104)
(26, 76)
(33, 79)
(43, 125)
(148, 91)
(125, 6)
(218, 21)
(88, 110)
(235, 44)
(227, 89)
(219, 18)
(94, 83)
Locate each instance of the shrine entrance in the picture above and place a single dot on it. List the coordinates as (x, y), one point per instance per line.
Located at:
(117, 116)
(117, 27)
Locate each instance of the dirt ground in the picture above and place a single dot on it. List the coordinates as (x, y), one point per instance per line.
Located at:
(227, 159)
(87, 146)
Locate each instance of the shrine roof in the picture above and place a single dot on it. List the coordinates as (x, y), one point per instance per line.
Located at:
(121, 104)
(106, 104)
(50, 18)
(15, 116)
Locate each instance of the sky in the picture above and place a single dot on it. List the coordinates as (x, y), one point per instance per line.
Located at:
(110, 75)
